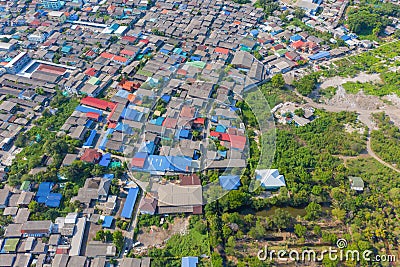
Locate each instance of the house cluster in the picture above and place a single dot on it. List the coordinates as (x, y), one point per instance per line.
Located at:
(125, 49)
(21, 102)
(61, 242)
(158, 82)
(43, 242)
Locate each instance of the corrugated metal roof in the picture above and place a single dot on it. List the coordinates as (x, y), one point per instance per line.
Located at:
(130, 203)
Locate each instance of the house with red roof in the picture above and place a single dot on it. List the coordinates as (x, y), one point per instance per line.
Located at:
(298, 45)
(292, 55)
(111, 9)
(107, 55)
(93, 115)
(278, 47)
(236, 141)
(121, 60)
(130, 39)
(220, 50)
(128, 85)
(91, 155)
(145, 41)
(200, 121)
(90, 54)
(170, 123)
(91, 72)
(129, 53)
(189, 179)
(97, 103)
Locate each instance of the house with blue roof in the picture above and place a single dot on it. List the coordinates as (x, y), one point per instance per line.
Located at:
(104, 141)
(122, 93)
(180, 164)
(105, 160)
(323, 55)
(114, 27)
(73, 17)
(45, 196)
(107, 221)
(159, 121)
(184, 134)
(196, 58)
(220, 128)
(66, 49)
(254, 32)
(84, 109)
(131, 114)
(147, 147)
(190, 261)
(157, 164)
(295, 38)
(123, 128)
(130, 203)
(108, 176)
(270, 179)
(89, 141)
(229, 182)
(345, 37)
(166, 98)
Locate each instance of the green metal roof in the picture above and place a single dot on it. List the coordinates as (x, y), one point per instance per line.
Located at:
(94, 81)
(356, 182)
(11, 244)
(25, 185)
(197, 64)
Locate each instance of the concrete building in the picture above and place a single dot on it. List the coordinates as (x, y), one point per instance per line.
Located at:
(52, 4)
(57, 16)
(17, 63)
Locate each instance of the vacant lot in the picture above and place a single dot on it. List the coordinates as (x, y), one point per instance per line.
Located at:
(154, 236)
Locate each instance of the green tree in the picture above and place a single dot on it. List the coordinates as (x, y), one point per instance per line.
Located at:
(300, 230)
(278, 81)
(100, 236)
(33, 206)
(258, 231)
(299, 112)
(306, 84)
(314, 211)
(339, 214)
(317, 230)
(118, 240)
(282, 219)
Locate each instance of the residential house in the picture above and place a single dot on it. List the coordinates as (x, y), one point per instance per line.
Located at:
(270, 178)
(356, 183)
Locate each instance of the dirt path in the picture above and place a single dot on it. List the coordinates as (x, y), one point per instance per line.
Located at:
(372, 154)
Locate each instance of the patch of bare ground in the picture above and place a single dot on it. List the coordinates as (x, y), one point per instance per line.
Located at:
(359, 101)
(361, 77)
(393, 99)
(154, 236)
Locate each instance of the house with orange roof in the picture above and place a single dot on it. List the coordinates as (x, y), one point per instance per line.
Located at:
(107, 55)
(121, 60)
(220, 50)
(128, 85)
